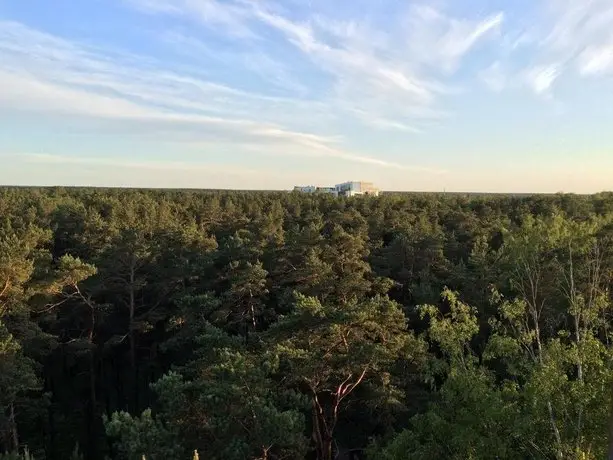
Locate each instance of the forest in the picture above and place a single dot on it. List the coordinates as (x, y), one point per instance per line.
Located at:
(227, 325)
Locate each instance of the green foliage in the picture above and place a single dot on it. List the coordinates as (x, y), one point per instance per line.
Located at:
(453, 331)
(327, 351)
(283, 326)
(470, 419)
(226, 406)
(143, 435)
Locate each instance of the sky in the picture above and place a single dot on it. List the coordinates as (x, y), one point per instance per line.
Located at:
(433, 95)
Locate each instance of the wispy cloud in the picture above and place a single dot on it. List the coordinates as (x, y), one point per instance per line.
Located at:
(39, 72)
(541, 78)
(373, 87)
(323, 75)
(442, 41)
(383, 72)
(350, 59)
(46, 158)
(581, 34)
(596, 60)
(567, 37)
(59, 62)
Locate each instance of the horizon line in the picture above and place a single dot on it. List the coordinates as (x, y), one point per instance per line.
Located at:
(262, 190)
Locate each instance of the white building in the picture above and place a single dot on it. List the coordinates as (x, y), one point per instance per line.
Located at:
(357, 188)
(345, 189)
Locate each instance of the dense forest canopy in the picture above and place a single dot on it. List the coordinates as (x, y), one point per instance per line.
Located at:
(270, 325)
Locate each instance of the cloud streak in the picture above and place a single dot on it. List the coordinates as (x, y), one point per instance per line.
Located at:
(441, 41)
(375, 77)
(42, 73)
(380, 72)
(390, 80)
(46, 158)
(569, 38)
(383, 73)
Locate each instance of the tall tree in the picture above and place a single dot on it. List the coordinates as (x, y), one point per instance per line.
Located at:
(327, 351)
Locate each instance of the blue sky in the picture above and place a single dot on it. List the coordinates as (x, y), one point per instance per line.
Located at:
(506, 96)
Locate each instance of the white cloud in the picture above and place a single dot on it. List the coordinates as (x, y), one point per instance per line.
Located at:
(378, 70)
(541, 78)
(388, 78)
(596, 60)
(58, 62)
(555, 40)
(42, 73)
(442, 41)
(567, 35)
(574, 25)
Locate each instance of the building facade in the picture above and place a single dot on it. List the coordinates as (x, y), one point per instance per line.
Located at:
(328, 190)
(351, 188)
(357, 188)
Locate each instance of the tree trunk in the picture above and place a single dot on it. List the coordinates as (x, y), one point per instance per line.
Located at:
(327, 448)
(132, 308)
(552, 418)
(610, 456)
(322, 433)
(321, 436)
(316, 435)
(132, 338)
(92, 363)
(93, 408)
(13, 428)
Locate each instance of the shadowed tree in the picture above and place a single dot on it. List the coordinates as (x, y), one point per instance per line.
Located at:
(327, 351)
